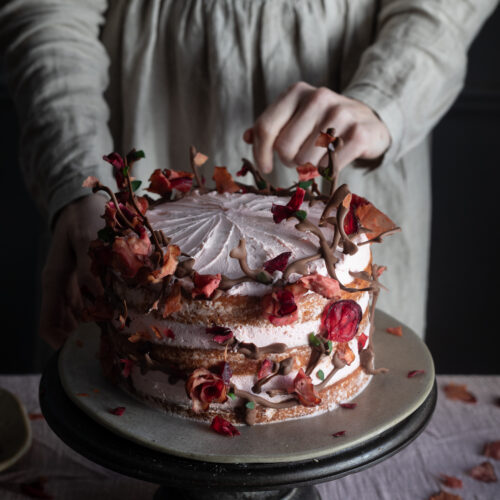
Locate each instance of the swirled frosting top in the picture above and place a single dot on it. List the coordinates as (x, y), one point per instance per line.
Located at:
(208, 226)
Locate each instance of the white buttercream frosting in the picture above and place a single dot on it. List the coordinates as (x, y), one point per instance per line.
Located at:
(208, 226)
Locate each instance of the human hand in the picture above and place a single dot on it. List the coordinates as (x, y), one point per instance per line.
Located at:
(291, 125)
(67, 269)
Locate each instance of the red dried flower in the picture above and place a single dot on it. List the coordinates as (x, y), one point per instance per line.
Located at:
(130, 253)
(172, 303)
(205, 284)
(118, 164)
(204, 387)
(451, 481)
(323, 285)
(348, 406)
(222, 426)
(340, 320)
(163, 182)
(266, 368)
(362, 341)
(338, 434)
(484, 472)
(127, 365)
(303, 388)
(279, 307)
(221, 334)
(395, 330)
(278, 263)
(307, 172)
(224, 182)
(281, 212)
(415, 373)
(492, 450)
(118, 411)
(245, 168)
(459, 393)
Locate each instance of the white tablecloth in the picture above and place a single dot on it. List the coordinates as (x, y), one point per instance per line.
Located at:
(451, 444)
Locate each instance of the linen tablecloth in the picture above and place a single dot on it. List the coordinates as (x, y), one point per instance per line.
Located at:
(452, 444)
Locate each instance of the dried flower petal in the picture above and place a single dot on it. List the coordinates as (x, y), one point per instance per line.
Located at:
(221, 334)
(362, 341)
(484, 472)
(344, 352)
(118, 411)
(224, 182)
(324, 140)
(304, 389)
(90, 182)
(222, 426)
(307, 172)
(281, 212)
(266, 368)
(492, 450)
(444, 495)
(459, 393)
(172, 302)
(199, 159)
(278, 263)
(338, 434)
(415, 373)
(322, 285)
(395, 330)
(205, 284)
(340, 320)
(279, 307)
(348, 406)
(127, 365)
(451, 481)
(36, 416)
(204, 387)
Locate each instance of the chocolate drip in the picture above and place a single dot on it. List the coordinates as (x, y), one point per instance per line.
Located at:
(300, 265)
(379, 238)
(250, 350)
(227, 283)
(282, 368)
(338, 364)
(367, 361)
(288, 403)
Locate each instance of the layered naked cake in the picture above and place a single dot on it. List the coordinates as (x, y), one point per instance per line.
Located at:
(244, 304)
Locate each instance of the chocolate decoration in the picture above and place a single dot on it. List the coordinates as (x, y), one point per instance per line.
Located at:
(251, 351)
(338, 364)
(284, 367)
(288, 403)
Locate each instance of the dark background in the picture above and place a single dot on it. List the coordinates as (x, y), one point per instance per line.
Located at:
(462, 328)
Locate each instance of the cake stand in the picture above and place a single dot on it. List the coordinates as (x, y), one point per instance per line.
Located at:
(276, 461)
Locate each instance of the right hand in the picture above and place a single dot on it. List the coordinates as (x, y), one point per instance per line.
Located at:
(67, 268)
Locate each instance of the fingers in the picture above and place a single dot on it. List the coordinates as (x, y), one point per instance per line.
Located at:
(269, 124)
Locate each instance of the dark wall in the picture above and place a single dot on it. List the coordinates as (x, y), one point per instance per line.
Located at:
(462, 325)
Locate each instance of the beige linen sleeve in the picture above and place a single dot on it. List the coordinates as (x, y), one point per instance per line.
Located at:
(416, 66)
(57, 73)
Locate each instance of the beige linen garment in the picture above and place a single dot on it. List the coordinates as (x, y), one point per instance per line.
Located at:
(89, 77)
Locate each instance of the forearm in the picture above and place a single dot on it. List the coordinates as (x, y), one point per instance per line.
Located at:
(57, 74)
(415, 69)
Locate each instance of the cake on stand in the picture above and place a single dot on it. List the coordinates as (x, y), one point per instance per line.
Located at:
(275, 461)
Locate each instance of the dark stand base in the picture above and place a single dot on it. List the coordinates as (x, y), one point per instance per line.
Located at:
(182, 478)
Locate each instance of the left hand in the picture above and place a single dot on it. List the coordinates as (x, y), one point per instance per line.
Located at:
(291, 125)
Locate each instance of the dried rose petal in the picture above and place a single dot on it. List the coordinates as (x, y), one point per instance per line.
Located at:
(118, 164)
(281, 212)
(362, 341)
(169, 334)
(204, 387)
(324, 139)
(266, 368)
(415, 373)
(127, 365)
(221, 334)
(279, 307)
(118, 411)
(451, 481)
(222, 426)
(245, 168)
(444, 495)
(492, 450)
(338, 434)
(322, 285)
(484, 472)
(395, 330)
(278, 263)
(205, 284)
(36, 416)
(224, 182)
(307, 172)
(349, 406)
(340, 320)
(459, 393)
(90, 182)
(304, 389)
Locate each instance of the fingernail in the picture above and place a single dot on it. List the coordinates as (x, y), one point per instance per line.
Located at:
(248, 136)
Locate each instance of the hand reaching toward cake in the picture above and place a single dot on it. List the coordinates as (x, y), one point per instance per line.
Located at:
(67, 269)
(291, 125)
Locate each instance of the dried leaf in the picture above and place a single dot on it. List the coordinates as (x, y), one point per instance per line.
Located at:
(459, 393)
(484, 472)
(395, 330)
(223, 181)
